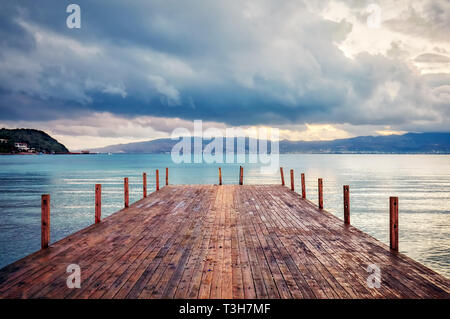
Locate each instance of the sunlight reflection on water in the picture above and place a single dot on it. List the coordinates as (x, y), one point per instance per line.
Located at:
(422, 183)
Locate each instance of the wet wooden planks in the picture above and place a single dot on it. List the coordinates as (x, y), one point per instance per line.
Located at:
(231, 241)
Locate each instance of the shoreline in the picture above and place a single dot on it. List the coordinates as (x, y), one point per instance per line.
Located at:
(70, 153)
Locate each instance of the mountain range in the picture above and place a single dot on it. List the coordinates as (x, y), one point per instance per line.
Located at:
(409, 143)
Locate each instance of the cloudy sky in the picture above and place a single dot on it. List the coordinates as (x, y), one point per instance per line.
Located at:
(136, 70)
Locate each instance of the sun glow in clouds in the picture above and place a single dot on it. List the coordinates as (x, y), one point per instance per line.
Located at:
(315, 70)
(216, 152)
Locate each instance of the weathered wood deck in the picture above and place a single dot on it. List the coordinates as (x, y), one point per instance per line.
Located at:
(220, 242)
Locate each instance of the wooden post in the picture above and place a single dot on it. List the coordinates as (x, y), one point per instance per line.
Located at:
(320, 194)
(98, 203)
(282, 176)
(45, 220)
(144, 184)
(220, 176)
(167, 176)
(292, 179)
(157, 180)
(126, 192)
(303, 186)
(346, 204)
(393, 214)
(241, 175)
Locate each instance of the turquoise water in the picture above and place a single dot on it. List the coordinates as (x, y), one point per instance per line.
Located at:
(422, 183)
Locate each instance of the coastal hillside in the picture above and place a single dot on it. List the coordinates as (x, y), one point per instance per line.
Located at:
(29, 141)
(410, 143)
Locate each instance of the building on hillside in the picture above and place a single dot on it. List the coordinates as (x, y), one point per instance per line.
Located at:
(3, 141)
(21, 146)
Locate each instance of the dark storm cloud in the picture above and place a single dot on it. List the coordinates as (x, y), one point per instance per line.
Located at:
(239, 62)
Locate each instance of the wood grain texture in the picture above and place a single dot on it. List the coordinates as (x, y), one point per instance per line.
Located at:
(167, 176)
(144, 185)
(320, 193)
(292, 180)
(252, 241)
(303, 186)
(45, 220)
(393, 222)
(241, 175)
(126, 192)
(157, 180)
(98, 203)
(346, 189)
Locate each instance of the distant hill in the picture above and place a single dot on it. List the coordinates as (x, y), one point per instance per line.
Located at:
(155, 146)
(39, 140)
(402, 144)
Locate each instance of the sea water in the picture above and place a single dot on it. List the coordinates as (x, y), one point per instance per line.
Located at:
(422, 183)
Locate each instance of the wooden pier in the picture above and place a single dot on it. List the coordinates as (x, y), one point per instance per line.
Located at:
(230, 241)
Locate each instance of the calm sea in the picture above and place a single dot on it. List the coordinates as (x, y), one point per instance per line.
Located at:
(422, 183)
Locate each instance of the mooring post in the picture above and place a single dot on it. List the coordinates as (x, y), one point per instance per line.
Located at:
(167, 176)
(282, 176)
(45, 220)
(320, 194)
(220, 176)
(346, 204)
(292, 179)
(303, 186)
(157, 180)
(144, 184)
(126, 192)
(241, 175)
(393, 214)
(98, 203)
